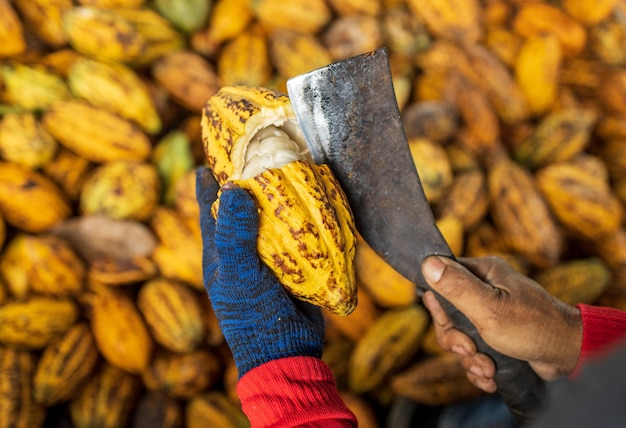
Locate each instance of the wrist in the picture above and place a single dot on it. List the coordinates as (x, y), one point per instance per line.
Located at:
(256, 343)
(572, 337)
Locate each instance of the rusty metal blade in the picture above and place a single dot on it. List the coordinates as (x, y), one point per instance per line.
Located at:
(351, 121)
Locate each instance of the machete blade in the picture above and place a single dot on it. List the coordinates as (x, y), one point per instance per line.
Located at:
(351, 121)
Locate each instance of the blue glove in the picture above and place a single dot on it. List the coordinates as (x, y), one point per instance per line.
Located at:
(259, 320)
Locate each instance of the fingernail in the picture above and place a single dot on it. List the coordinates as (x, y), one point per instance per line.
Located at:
(433, 268)
(477, 371)
(459, 350)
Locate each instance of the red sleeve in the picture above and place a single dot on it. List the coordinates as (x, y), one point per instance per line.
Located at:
(293, 391)
(602, 329)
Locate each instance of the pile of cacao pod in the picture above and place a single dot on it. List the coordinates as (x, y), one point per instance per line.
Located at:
(516, 116)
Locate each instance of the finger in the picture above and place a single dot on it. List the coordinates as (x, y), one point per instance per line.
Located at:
(486, 384)
(436, 311)
(458, 285)
(236, 229)
(206, 193)
(206, 187)
(448, 336)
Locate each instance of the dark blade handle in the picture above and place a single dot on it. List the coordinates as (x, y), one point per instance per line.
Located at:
(520, 387)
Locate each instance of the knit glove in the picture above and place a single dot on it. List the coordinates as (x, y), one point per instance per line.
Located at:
(259, 320)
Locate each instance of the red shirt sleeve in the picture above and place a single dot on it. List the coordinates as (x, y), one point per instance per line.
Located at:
(293, 391)
(603, 328)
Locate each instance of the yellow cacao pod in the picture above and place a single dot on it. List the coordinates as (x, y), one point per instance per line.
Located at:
(95, 134)
(44, 18)
(134, 36)
(119, 331)
(214, 409)
(106, 400)
(299, 15)
(357, 7)
(33, 87)
(182, 375)
(612, 91)
(69, 171)
(581, 201)
(29, 200)
(589, 12)
(576, 281)
(537, 71)
(172, 313)
(43, 264)
(113, 4)
(453, 232)
(607, 41)
(116, 88)
(504, 44)
(179, 253)
(456, 20)
(228, 18)
(386, 286)
(349, 36)
(36, 322)
(157, 410)
(433, 167)
(488, 72)
(125, 190)
(466, 198)
(391, 343)
(294, 53)
(245, 60)
(521, 214)
(64, 366)
(117, 271)
(17, 407)
(535, 18)
(188, 77)
(306, 228)
(24, 141)
(435, 381)
(559, 136)
(12, 40)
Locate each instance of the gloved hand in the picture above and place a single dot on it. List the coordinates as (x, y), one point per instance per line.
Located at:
(259, 320)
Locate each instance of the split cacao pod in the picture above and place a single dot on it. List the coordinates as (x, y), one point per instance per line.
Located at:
(306, 228)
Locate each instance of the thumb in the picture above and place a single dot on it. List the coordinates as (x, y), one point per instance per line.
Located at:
(237, 225)
(456, 284)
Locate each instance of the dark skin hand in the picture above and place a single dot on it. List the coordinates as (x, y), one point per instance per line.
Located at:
(513, 314)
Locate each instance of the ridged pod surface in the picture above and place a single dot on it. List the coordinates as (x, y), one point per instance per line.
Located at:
(214, 409)
(65, 365)
(95, 134)
(17, 407)
(306, 229)
(521, 214)
(120, 332)
(44, 264)
(106, 400)
(581, 201)
(388, 345)
(36, 322)
(576, 281)
(172, 313)
(12, 40)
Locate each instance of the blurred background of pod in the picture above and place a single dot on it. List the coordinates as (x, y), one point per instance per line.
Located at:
(516, 118)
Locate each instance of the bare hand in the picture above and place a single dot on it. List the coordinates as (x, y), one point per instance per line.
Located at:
(513, 314)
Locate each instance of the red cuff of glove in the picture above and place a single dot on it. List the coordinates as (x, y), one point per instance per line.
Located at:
(293, 391)
(603, 328)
